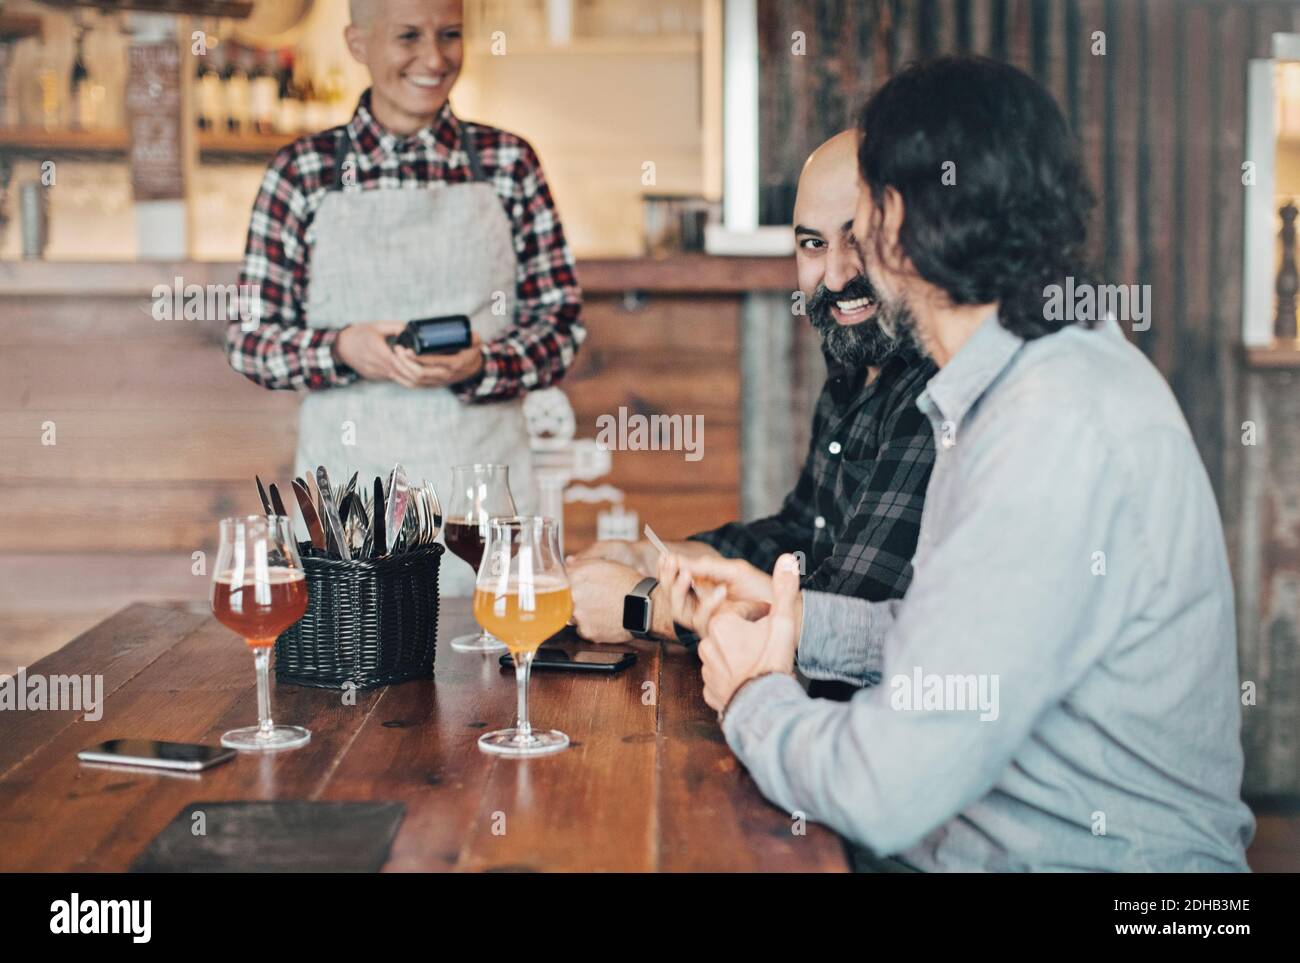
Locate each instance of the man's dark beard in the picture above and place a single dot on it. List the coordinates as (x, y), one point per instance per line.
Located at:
(858, 345)
(895, 316)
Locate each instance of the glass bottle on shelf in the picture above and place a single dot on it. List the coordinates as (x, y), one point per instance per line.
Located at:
(79, 92)
(338, 112)
(50, 104)
(288, 114)
(209, 111)
(314, 112)
(263, 95)
(236, 94)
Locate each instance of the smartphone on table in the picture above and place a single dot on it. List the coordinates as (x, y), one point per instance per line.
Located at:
(574, 659)
(153, 754)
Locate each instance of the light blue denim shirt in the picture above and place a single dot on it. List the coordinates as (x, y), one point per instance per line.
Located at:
(1058, 689)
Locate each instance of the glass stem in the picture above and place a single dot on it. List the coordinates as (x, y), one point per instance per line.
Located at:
(262, 660)
(523, 662)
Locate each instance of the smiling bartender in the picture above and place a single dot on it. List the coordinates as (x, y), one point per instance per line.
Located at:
(408, 212)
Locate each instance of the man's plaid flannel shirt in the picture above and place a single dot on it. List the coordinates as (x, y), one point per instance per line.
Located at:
(856, 510)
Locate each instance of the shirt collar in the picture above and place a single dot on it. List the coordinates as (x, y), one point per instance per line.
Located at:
(375, 142)
(964, 379)
(849, 386)
(844, 381)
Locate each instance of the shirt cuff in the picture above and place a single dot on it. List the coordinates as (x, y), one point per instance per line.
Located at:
(473, 388)
(840, 639)
(322, 369)
(749, 716)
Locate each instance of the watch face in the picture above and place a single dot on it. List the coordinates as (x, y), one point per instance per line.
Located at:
(636, 613)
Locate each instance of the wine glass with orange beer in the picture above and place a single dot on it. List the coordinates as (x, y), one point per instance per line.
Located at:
(259, 589)
(522, 597)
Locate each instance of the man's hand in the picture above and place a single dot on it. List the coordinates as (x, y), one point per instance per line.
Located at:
(735, 650)
(684, 595)
(630, 554)
(598, 588)
(743, 582)
(363, 349)
(438, 370)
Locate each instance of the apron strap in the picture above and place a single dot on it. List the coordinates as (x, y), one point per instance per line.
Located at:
(340, 158)
(471, 154)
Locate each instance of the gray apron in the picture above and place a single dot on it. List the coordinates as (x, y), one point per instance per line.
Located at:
(395, 255)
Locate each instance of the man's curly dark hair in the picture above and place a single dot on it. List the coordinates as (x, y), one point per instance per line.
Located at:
(1015, 220)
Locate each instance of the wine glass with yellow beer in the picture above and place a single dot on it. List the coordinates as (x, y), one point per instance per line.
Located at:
(522, 597)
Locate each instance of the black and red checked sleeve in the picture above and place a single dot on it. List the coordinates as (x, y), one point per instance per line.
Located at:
(272, 345)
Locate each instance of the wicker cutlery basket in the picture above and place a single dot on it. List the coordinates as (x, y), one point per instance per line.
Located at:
(368, 623)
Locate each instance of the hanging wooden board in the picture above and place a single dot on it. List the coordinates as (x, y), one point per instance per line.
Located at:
(154, 119)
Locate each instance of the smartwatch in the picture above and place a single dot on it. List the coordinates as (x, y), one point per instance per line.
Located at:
(636, 608)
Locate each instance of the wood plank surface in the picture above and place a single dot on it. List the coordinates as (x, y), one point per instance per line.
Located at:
(648, 784)
(677, 273)
(149, 419)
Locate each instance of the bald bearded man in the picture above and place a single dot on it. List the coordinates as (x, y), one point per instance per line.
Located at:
(856, 510)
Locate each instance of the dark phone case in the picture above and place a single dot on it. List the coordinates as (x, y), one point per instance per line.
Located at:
(407, 337)
(541, 662)
(112, 753)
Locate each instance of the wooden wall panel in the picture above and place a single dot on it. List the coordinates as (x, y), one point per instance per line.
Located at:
(1194, 376)
(1125, 56)
(1091, 123)
(1019, 44)
(156, 437)
(1158, 160)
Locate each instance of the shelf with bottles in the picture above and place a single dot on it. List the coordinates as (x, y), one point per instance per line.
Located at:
(214, 145)
(249, 100)
(221, 145)
(37, 141)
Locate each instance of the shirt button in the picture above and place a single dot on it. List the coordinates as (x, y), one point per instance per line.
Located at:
(819, 522)
(834, 448)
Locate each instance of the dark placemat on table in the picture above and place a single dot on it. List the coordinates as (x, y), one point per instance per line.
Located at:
(271, 837)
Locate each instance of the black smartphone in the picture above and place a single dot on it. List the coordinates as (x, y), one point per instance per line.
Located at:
(444, 335)
(185, 756)
(577, 660)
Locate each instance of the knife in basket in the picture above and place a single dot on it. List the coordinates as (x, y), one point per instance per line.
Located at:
(399, 497)
(348, 490)
(276, 502)
(261, 493)
(314, 528)
(334, 526)
(377, 514)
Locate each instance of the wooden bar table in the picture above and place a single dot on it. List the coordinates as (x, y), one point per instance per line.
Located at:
(648, 783)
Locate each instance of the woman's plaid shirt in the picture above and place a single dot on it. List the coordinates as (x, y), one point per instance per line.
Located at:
(281, 351)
